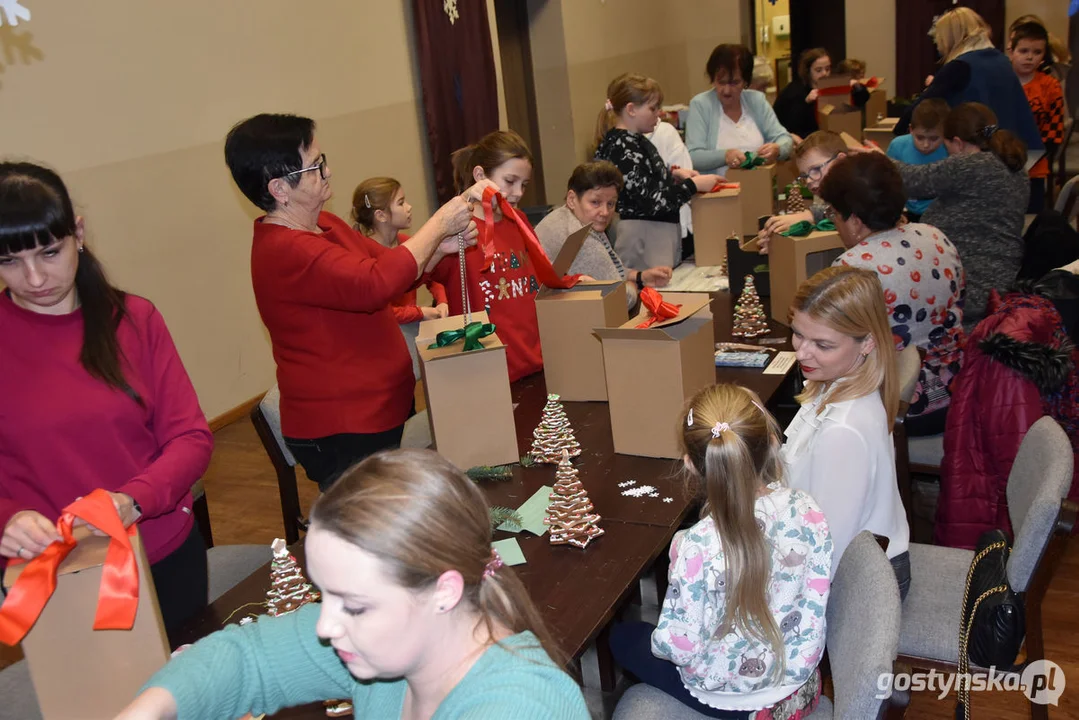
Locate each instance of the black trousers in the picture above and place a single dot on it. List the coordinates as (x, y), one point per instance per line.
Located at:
(182, 582)
(326, 459)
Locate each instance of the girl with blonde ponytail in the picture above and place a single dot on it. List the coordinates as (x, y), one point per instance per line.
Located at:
(419, 617)
(743, 625)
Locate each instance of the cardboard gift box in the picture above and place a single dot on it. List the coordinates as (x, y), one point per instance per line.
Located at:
(792, 260)
(468, 396)
(716, 216)
(882, 133)
(876, 108)
(80, 672)
(840, 119)
(758, 195)
(572, 356)
(651, 372)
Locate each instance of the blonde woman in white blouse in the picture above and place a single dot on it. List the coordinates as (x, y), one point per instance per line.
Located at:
(839, 446)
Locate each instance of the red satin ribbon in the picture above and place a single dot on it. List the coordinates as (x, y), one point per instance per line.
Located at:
(118, 597)
(872, 83)
(661, 309)
(725, 186)
(544, 270)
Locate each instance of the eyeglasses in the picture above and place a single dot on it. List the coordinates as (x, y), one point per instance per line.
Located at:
(817, 171)
(320, 165)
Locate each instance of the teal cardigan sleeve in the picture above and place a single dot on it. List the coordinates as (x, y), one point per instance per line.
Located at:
(701, 128)
(261, 667)
(767, 122)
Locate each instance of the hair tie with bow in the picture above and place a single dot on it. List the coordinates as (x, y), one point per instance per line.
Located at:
(608, 106)
(719, 429)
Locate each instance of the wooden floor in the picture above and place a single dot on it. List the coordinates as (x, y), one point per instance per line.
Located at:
(244, 508)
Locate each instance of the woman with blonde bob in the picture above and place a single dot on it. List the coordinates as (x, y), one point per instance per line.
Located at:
(839, 446)
(419, 618)
(974, 71)
(759, 556)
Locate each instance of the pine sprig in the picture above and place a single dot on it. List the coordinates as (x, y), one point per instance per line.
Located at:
(507, 515)
(490, 472)
(527, 461)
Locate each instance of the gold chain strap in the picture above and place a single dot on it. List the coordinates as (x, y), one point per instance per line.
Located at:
(964, 630)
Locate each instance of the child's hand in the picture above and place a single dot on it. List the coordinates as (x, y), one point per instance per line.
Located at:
(681, 174)
(430, 313)
(443, 310)
(656, 277)
(734, 158)
(928, 80)
(769, 151)
(812, 96)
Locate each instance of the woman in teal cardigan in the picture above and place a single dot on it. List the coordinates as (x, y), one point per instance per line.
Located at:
(729, 120)
(418, 618)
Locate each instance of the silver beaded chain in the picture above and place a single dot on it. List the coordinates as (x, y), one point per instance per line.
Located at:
(464, 276)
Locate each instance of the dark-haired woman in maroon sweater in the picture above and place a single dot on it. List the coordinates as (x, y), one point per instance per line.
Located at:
(94, 396)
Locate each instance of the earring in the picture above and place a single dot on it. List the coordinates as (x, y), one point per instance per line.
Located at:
(80, 248)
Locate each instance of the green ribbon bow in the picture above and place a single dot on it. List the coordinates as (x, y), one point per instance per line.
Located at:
(471, 334)
(803, 228)
(752, 160)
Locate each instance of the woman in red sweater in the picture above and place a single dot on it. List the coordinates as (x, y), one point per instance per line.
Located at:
(324, 292)
(95, 396)
(506, 289)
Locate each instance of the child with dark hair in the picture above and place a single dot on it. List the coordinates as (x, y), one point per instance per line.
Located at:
(923, 146)
(1029, 49)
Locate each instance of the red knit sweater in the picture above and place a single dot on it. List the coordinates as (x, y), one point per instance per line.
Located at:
(507, 291)
(405, 308)
(64, 433)
(342, 363)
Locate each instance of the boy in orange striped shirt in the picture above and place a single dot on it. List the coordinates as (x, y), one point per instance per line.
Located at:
(1029, 50)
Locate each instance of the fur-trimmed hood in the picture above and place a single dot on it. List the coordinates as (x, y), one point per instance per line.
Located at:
(1046, 366)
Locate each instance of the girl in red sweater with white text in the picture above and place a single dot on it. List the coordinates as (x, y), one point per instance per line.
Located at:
(507, 288)
(95, 396)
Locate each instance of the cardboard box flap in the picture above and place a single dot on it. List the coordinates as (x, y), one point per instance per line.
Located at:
(569, 251)
(691, 303)
(850, 141)
(90, 552)
(584, 290)
(430, 328)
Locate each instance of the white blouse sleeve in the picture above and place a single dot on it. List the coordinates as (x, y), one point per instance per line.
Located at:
(840, 471)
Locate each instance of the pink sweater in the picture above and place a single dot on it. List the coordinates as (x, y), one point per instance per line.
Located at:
(64, 433)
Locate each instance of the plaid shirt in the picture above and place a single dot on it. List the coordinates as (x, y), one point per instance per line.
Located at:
(1047, 103)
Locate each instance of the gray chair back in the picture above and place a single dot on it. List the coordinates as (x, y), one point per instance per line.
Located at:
(1039, 480)
(271, 410)
(909, 367)
(863, 627)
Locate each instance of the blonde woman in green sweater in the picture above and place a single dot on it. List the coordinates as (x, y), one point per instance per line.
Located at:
(419, 618)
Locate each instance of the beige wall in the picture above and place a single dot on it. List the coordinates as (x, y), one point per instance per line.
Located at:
(131, 101)
(579, 46)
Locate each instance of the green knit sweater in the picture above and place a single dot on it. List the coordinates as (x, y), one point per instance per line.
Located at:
(280, 662)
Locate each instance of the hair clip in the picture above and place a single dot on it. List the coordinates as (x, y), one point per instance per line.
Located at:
(689, 418)
(493, 564)
(366, 200)
(608, 106)
(989, 130)
(719, 429)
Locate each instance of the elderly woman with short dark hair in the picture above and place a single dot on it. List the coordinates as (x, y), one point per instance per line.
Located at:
(730, 120)
(918, 267)
(324, 292)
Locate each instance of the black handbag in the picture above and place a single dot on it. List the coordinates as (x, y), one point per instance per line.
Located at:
(993, 622)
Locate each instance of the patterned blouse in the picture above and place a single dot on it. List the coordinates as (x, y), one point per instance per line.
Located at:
(719, 665)
(650, 192)
(924, 285)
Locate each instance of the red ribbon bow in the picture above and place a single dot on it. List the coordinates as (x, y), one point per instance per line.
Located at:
(118, 599)
(544, 270)
(725, 186)
(661, 309)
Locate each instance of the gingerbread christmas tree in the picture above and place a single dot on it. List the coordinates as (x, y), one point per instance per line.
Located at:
(749, 318)
(289, 589)
(795, 202)
(553, 435)
(569, 514)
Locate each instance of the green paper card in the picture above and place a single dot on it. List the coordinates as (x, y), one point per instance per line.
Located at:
(509, 551)
(533, 512)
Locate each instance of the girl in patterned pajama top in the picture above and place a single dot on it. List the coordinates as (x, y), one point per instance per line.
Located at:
(742, 627)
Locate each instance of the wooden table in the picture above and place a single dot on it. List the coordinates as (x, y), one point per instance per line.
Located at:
(577, 591)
